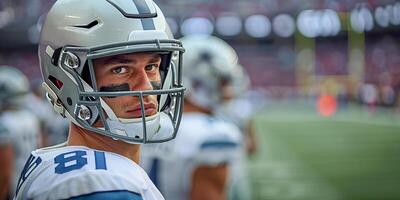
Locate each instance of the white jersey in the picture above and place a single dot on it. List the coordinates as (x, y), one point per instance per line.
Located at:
(201, 141)
(21, 129)
(230, 111)
(77, 172)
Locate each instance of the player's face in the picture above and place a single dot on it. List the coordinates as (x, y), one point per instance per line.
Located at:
(227, 90)
(134, 72)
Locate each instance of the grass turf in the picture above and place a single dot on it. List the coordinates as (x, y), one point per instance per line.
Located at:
(352, 155)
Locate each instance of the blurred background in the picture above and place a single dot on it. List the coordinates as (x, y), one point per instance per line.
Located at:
(325, 83)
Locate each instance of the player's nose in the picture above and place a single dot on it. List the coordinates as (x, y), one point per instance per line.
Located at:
(141, 82)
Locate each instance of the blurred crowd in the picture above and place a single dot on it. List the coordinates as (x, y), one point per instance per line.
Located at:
(348, 66)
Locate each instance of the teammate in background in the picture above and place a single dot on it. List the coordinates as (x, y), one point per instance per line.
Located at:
(54, 127)
(106, 67)
(369, 96)
(234, 97)
(197, 163)
(239, 111)
(19, 128)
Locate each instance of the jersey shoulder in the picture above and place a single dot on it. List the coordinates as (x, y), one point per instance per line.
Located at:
(70, 172)
(19, 121)
(209, 140)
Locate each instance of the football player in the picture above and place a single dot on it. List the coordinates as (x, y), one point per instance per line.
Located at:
(106, 67)
(19, 128)
(234, 98)
(197, 163)
(238, 110)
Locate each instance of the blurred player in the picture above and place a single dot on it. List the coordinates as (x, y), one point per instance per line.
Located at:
(54, 127)
(19, 128)
(238, 110)
(197, 163)
(234, 97)
(106, 67)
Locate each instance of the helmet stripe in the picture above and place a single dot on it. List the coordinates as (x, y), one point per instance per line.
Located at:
(148, 24)
(143, 8)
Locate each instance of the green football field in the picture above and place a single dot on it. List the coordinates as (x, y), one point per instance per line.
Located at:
(352, 155)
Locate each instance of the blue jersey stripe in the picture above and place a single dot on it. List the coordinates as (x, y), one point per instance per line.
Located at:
(110, 195)
(100, 160)
(218, 144)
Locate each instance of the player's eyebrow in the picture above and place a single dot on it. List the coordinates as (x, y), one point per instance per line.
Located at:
(118, 59)
(155, 58)
(122, 59)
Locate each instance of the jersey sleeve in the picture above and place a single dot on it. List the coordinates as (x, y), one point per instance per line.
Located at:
(220, 146)
(110, 195)
(216, 152)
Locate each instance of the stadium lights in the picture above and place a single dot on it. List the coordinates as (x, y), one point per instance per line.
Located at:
(229, 24)
(197, 25)
(395, 17)
(361, 19)
(314, 23)
(257, 26)
(330, 23)
(386, 15)
(307, 24)
(382, 17)
(283, 25)
(6, 16)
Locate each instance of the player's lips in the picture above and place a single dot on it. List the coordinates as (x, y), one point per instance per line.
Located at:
(149, 109)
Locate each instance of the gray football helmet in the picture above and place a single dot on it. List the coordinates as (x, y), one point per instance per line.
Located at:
(210, 64)
(76, 32)
(13, 87)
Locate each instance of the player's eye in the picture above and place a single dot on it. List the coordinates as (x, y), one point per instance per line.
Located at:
(151, 67)
(120, 70)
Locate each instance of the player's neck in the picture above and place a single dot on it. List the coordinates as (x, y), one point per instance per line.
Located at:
(81, 137)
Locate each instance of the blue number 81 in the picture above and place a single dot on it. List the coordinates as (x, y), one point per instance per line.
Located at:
(76, 160)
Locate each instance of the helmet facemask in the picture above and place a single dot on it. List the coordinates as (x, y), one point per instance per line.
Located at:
(102, 108)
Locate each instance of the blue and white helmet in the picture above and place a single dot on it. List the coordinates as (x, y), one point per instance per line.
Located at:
(13, 87)
(209, 63)
(76, 32)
